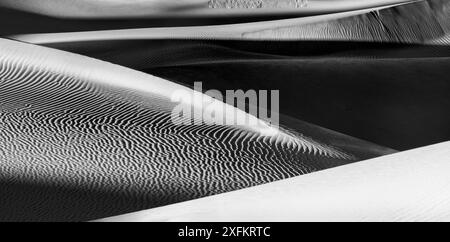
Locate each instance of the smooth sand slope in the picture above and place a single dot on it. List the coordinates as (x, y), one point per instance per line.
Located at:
(419, 22)
(409, 186)
(84, 139)
(394, 95)
(16, 16)
(154, 8)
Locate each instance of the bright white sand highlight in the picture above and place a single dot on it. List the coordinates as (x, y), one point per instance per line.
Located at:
(114, 75)
(155, 8)
(408, 186)
(84, 139)
(226, 32)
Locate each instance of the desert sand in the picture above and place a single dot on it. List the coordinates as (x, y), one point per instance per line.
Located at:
(395, 95)
(408, 186)
(83, 139)
(226, 32)
(154, 8)
(87, 132)
(419, 22)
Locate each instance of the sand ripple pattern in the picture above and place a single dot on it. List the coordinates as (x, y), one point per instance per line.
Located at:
(419, 23)
(97, 150)
(442, 41)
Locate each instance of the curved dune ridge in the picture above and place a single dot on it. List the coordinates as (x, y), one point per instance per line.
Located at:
(419, 22)
(95, 9)
(368, 96)
(408, 186)
(84, 139)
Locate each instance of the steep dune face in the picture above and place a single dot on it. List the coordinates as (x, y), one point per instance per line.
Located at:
(408, 186)
(83, 139)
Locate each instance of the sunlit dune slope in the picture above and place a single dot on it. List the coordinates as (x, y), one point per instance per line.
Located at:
(408, 186)
(83, 139)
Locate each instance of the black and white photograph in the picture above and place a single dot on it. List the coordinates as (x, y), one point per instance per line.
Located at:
(224, 111)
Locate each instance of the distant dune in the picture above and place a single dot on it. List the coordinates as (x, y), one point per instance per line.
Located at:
(395, 95)
(409, 186)
(87, 131)
(419, 22)
(153, 8)
(83, 139)
(59, 16)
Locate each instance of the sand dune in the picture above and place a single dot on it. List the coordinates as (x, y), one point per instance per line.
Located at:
(22, 20)
(394, 95)
(153, 8)
(84, 139)
(445, 40)
(409, 186)
(146, 54)
(88, 134)
(395, 102)
(419, 22)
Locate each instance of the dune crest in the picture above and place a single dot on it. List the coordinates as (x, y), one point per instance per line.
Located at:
(75, 128)
(420, 22)
(104, 9)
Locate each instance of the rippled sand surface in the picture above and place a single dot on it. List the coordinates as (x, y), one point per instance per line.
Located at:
(85, 134)
(405, 187)
(415, 23)
(411, 23)
(100, 9)
(88, 134)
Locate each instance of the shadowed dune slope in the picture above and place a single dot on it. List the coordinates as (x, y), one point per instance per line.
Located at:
(398, 103)
(419, 22)
(83, 139)
(142, 54)
(391, 94)
(13, 22)
(409, 186)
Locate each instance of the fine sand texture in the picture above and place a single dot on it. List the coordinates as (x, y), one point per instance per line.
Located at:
(87, 131)
(83, 139)
(104, 9)
(419, 22)
(18, 17)
(409, 186)
(395, 95)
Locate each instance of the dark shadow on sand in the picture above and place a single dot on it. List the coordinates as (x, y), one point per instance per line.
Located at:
(395, 95)
(13, 22)
(31, 202)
